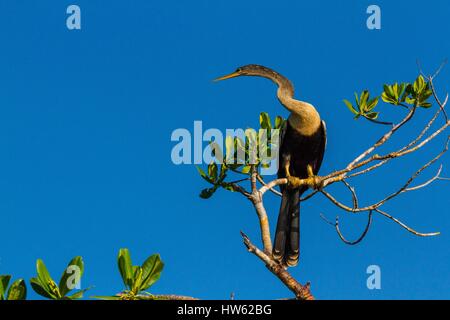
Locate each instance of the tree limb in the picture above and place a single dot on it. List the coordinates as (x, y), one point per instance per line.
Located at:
(300, 291)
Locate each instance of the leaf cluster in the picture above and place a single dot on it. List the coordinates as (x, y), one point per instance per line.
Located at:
(240, 155)
(404, 94)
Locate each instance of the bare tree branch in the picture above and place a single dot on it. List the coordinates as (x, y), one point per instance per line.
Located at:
(439, 69)
(271, 189)
(441, 105)
(369, 222)
(309, 196)
(272, 184)
(300, 291)
(426, 183)
(354, 196)
(406, 227)
(341, 236)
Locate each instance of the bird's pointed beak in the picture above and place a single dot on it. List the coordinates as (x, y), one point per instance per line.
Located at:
(228, 76)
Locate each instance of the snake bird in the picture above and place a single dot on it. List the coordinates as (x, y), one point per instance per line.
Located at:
(301, 150)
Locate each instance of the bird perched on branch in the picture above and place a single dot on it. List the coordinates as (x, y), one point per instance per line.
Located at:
(302, 147)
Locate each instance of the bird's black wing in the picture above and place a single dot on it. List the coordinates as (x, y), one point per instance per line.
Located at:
(322, 147)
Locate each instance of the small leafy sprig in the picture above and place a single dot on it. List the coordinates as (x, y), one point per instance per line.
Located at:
(46, 287)
(363, 106)
(136, 279)
(239, 152)
(407, 95)
(17, 290)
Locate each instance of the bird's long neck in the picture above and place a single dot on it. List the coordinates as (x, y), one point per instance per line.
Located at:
(304, 118)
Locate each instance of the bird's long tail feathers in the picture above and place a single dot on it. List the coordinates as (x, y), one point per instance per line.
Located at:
(287, 235)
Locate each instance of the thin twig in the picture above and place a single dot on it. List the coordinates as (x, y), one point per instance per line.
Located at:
(441, 105)
(440, 68)
(309, 196)
(404, 226)
(426, 183)
(341, 236)
(379, 122)
(363, 235)
(352, 190)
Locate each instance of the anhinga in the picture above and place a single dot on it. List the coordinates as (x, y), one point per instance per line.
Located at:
(302, 146)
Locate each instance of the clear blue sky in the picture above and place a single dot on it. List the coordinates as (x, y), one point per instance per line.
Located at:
(86, 118)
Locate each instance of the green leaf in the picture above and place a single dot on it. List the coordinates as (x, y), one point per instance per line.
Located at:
(39, 288)
(125, 267)
(388, 99)
(406, 91)
(278, 122)
(54, 289)
(389, 91)
(409, 100)
(425, 105)
(152, 268)
(77, 295)
(395, 89)
(264, 121)
(372, 104)
(357, 99)
(207, 193)
(246, 169)
(4, 281)
(385, 97)
(426, 94)
(372, 115)
(78, 262)
(419, 84)
(350, 107)
(137, 279)
(204, 175)
(363, 100)
(400, 90)
(223, 171)
(17, 291)
(44, 278)
(212, 171)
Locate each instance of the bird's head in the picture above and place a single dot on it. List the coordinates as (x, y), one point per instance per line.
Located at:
(249, 70)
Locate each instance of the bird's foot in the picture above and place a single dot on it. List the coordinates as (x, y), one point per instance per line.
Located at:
(294, 182)
(313, 182)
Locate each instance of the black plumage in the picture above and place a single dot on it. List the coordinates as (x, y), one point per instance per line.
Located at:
(297, 151)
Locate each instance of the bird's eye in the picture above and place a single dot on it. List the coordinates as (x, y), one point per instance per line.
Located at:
(238, 69)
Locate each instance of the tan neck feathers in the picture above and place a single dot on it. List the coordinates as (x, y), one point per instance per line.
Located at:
(304, 118)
